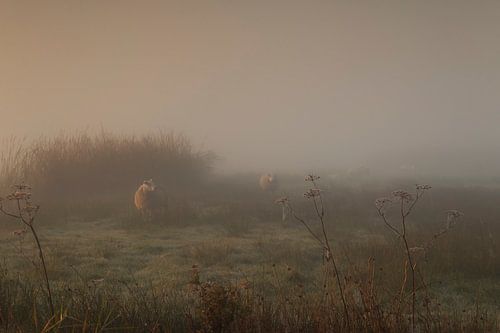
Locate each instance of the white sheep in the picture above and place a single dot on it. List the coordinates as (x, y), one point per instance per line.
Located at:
(268, 182)
(150, 200)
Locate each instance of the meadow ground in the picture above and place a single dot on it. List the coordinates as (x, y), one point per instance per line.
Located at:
(278, 259)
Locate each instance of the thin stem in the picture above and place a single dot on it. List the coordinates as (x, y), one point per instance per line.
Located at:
(28, 221)
(325, 244)
(403, 286)
(384, 218)
(298, 218)
(405, 212)
(321, 200)
(47, 283)
(413, 294)
(328, 247)
(418, 195)
(8, 213)
(410, 261)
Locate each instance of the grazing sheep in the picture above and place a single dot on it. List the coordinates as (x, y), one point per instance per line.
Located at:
(150, 200)
(268, 182)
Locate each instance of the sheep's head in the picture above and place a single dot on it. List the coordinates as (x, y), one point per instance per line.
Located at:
(268, 182)
(148, 185)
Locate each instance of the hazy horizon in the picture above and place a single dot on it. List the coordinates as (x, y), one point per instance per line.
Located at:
(267, 85)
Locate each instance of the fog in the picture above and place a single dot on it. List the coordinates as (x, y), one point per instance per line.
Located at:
(267, 85)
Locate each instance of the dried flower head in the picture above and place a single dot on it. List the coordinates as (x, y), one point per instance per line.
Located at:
(31, 209)
(382, 202)
(20, 232)
(21, 187)
(312, 193)
(402, 195)
(281, 201)
(454, 213)
(452, 217)
(417, 249)
(19, 195)
(423, 187)
(311, 178)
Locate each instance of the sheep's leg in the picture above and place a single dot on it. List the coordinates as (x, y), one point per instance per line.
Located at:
(145, 215)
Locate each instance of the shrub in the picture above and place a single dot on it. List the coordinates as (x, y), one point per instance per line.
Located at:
(83, 170)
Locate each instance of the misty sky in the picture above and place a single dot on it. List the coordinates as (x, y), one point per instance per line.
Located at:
(265, 84)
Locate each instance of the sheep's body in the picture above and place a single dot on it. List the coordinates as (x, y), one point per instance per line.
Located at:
(268, 183)
(150, 200)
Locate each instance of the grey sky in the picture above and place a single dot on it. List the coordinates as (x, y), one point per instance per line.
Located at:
(266, 84)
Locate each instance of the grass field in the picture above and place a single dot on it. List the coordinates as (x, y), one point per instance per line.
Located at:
(277, 260)
(221, 259)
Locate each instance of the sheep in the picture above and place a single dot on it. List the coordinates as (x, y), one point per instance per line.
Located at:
(150, 200)
(268, 182)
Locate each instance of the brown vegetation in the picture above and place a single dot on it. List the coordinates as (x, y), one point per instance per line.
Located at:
(82, 165)
(100, 172)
